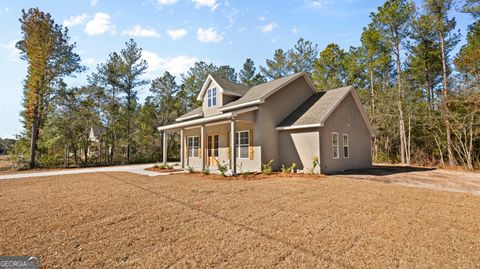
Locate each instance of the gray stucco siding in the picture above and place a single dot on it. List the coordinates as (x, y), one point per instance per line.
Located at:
(276, 108)
(345, 119)
(300, 147)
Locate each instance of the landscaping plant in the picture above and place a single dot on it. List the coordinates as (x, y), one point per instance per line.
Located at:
(267, 168)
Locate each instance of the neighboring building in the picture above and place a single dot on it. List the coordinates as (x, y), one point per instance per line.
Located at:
(95, 139)
(285, 120)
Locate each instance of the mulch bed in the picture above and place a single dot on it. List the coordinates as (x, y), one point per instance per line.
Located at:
(256, 176)
(164, 170)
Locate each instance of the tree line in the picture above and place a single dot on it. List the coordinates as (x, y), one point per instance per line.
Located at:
(423, 101)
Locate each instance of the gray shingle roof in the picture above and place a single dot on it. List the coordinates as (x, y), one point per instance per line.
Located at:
(193, 112)
(316, 109)
(231, 87)
(259, 91)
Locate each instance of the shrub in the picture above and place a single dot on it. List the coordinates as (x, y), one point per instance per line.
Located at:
(191, 169)
(206, 171)
(315, 163)
(289, 169)
(245, 174)
(267, 167)
(222, 168)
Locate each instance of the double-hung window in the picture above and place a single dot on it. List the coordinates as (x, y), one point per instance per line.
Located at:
(346, 148)
(212, 97)
(243, 144)
(335, 147)
(192, 143)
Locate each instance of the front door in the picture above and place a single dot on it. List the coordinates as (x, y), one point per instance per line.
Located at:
(212, 150)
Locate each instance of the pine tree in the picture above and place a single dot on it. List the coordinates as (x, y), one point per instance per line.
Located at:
(276, 67)
(437, 10)
(46, 47)
(132, 68)
(248, 75)
(393, 20)
(302, 56)
(329, 69)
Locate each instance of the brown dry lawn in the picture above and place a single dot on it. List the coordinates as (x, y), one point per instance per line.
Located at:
(124, 220)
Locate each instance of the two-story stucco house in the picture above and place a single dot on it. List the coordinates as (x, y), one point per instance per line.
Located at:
(285, 120)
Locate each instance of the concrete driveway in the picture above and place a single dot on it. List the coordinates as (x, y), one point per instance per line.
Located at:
(136, 169)
(420, 177)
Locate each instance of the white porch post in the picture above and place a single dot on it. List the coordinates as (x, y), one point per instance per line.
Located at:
(164, 147)
(202, 145)
(233, 156)
(182, 149)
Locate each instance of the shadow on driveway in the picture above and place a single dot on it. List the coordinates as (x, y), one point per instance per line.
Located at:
(385, 170)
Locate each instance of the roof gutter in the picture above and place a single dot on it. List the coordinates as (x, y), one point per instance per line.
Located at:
(251, 103)
(294, 127)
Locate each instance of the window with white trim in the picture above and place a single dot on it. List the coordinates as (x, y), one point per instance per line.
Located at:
(192, 144)
(346, 148)
(212, 97)
(335, 148)
(243, 143)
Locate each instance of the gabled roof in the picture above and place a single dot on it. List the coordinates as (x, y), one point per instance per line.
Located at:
(231, 87)
(257, 94)
(228, 87)
(193, 114)
(316, 110)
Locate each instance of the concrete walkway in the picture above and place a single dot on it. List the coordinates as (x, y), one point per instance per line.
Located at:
(136, 169)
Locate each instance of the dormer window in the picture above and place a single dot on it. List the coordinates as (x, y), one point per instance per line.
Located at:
(212, 97)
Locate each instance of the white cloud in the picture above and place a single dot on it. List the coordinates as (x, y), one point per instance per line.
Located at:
(176, 34)
(138, 31)
(13, 52)
(262, 18)
(166, 2)
(212, 4)
(175, 65)
(90, 61)
(295, 30)
(232, 17)
(319, 3)
(75, 20)
(268, 27)
(208, 35)
(101, 23)
(93, 3)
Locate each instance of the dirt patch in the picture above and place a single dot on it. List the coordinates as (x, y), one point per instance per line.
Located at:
(124, 220)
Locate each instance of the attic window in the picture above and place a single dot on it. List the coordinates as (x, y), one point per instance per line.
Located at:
(212, 97)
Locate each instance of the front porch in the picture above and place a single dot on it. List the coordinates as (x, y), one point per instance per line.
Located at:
(229, 141)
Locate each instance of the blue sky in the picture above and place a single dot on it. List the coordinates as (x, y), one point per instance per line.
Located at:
(176, 33)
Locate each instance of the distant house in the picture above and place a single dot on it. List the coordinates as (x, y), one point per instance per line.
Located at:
(95, 139)
(285, 120)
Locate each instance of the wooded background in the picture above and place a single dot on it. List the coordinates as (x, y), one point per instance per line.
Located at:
(423, 101)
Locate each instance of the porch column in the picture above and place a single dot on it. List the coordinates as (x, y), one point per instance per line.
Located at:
(182, 149)
(202, 146)
(164, 133)
(233, 156)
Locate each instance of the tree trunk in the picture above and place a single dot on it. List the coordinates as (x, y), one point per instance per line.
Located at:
(372, 97)
(399, 105)
(34, 137)
(65, 156)
(451, 158)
